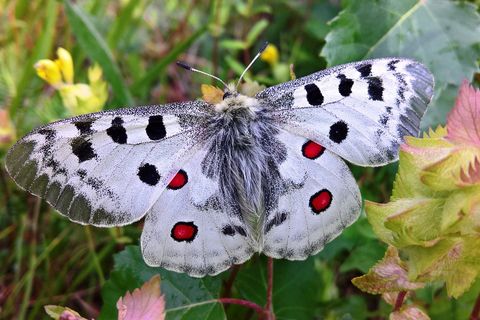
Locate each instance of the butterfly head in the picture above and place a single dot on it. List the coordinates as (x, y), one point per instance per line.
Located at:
(233, 101)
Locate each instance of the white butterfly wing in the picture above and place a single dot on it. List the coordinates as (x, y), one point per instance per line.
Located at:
(189, 230)
(107, 168)
(360, 111)
(319, 199)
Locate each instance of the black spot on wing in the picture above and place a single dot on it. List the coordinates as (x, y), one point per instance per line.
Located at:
(240, 230)
(276, 221)
(155, 128)
(314, 96)
(48, 133)
(392, 65)
(82, 149)
(375, 88)
(228, 231)
(148, 174)
(117, 132)
(345, 86)
(84, 127)
(338, 131)
(365, 70)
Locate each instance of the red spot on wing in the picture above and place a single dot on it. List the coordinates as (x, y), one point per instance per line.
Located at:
(320, 201)
(178, 181)
(184, 231)
(312, 150)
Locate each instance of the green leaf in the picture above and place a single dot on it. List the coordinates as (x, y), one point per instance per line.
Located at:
(96, 48)
(363, 256)
(439, 33)
(455, 261)
(233, 44)
(295, 285)
(255, 31)
(186, 297)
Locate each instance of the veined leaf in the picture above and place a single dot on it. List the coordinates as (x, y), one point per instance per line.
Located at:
(185, 297)
(441, 34)
(388, 275)
(464, 119)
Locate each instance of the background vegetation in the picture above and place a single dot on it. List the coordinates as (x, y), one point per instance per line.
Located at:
(45, 259)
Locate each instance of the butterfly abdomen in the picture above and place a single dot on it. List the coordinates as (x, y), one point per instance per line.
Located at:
(244, 155)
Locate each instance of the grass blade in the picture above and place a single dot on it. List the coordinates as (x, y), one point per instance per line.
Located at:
(96, 48)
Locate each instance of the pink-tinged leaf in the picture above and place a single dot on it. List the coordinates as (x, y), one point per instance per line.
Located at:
(388, 275)
(463, 122)
(410, 312)
(472, 174)
(62, 313)
(146, 303)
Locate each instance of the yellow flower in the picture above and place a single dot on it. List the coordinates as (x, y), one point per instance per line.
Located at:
(270, 54)
(78, 98)
(65, 64)
(49, 71)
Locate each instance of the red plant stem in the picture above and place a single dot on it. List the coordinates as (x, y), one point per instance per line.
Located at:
(268, 305)
(245, 303)
(227, 289)
(399, 301)
(476, 310)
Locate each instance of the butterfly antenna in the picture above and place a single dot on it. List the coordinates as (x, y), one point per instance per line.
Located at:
(255, 58)
(190, 68)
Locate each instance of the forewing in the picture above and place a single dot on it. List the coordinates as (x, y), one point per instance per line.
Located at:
(360, 111)
(189, 230)
(107, 168)
(319, 200)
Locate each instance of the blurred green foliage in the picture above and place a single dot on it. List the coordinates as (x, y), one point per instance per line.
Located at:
(48, 260)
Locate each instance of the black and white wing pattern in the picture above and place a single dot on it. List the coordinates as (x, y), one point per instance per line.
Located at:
(107, 168)
(189, 229)
(360, 111)
(319, 199)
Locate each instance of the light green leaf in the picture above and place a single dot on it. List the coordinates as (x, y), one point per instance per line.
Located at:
(185, 297)
(455, 261)
(233, 44)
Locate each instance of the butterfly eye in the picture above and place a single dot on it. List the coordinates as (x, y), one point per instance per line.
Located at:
(227, 94)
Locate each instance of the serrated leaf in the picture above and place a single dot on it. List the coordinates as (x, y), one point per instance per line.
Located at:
(146, 303)
(186, 297)
(95, 46)
(454, 260)
(388, 275)
(61, 313)
(441, 34)
(410, 312)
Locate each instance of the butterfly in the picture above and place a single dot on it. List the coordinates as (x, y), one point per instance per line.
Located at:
(218, 182)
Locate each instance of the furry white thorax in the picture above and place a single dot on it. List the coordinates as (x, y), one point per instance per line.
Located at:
(237, 101)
